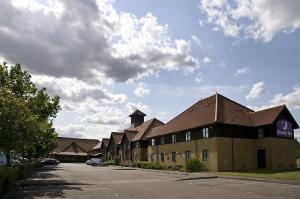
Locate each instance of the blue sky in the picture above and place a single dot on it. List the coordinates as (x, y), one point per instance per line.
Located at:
(107, 58)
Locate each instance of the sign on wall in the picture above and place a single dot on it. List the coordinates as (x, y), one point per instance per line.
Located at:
(284, 128)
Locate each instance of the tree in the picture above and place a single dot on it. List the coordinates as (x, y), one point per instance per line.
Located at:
(26, 114)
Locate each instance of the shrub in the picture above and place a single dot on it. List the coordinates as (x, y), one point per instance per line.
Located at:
(176, 167)
(117, 161)
(8, 177)
(149, 165)
(194, 165)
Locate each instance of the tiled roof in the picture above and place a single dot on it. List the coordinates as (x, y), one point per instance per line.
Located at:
(64, 144)
(137, 112)
(98, 146)
(117, 137)
(130, 134)
(105, 141)
(217, 109)
(143, 129)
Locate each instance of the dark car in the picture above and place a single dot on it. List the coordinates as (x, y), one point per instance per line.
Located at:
(50, 161)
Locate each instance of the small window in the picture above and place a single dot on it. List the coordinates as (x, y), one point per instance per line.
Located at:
(173, 156)
(162, 157)
(152, 157)
(188, 136)
(173, 138)
(187, 155)
(205, 155)
(137, 145)
(205, 133)
(162, 140)
(152, 142)
(261, 133)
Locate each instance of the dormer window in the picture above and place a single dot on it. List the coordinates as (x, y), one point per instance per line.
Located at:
(188, 136)
(173, 138)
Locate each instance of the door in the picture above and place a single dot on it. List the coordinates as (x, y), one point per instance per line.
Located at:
(261, 158)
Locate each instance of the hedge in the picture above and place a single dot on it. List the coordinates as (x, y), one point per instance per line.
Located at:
(10, 175)
(148, 165)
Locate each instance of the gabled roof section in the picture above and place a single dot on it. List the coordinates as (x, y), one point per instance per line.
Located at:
(98, 146)
(269, 116)
(129, 134)
(143, 129)
(219, 109)
(199, 114)
(137, 112)
(104, 142)
(84, 144)
(116, 137)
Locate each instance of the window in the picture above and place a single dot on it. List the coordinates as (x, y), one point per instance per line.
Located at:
(162, 140)
(162, 157)
(205, 133)
(261, 133)
(173, 156)
(187, 155)
(152, 142)
(173, 138)
(205, 155)
(152, 157)
(188, 136)
(137, 145)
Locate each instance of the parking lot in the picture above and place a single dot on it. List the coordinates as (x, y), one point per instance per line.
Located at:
(83, 181)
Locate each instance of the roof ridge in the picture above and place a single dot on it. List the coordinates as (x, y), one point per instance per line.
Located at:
(236, 103)
(77, 138)
(189, 108)
(282, 105)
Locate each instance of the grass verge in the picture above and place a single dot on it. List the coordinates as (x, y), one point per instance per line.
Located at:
(278, 174)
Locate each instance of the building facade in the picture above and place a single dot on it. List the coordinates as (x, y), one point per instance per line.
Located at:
(226, 136)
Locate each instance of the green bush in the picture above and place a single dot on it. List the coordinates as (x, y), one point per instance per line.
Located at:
(149, 165)
(8, 177)
(194, 165)
(117, 161)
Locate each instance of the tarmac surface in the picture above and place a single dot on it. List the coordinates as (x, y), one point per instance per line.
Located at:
(70, 180)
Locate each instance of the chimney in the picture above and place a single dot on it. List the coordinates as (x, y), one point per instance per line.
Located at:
(137, 118)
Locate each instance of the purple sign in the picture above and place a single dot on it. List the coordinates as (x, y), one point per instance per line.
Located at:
(284, 128)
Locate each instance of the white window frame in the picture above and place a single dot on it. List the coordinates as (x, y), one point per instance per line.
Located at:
(188, 136)
(162, 140)
(173, 138)
(205, 133)
(205, 155)
(153, 142)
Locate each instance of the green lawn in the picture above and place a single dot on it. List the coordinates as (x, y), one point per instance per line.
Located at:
(283, 174)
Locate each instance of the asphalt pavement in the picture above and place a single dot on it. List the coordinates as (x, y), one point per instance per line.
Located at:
(82, 181)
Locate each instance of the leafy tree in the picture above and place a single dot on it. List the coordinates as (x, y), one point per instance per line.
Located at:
(26, 114)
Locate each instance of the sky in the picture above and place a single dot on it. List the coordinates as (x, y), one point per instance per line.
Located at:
(107, 58)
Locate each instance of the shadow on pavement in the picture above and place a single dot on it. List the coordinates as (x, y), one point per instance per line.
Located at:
(42, 183)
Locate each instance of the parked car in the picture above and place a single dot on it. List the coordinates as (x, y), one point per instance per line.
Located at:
(50, 161)
(97, 162)
(88, 162)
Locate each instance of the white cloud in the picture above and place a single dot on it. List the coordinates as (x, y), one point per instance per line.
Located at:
(206, 60)
(256, 90)
(241, 71)
(76, 90)
(195, 40)
(255, 19)
(199, 79)
(88, 40)
(131, 106)
(106, 116)
(292, 99)
(141, 90)
(72, 130)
